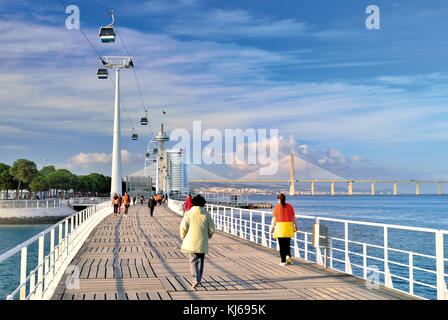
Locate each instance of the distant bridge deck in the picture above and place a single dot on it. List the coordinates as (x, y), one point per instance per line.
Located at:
(139, 257)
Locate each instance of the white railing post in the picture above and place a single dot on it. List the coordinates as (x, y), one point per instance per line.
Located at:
(440, 268)
(387, 277)
(306, 246)
(232, 228)
(296, 246)
(66, 236)
(224, 219)
(319, 259)
(241, 224)
(23, 259)
(251, 226)
(331, 252)
(263, 227)
(40, 269)
(348, 266)
(364, 260)
(411, 273)
(48, 206)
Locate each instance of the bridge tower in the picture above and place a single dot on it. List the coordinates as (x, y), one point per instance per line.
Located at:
(291, 178)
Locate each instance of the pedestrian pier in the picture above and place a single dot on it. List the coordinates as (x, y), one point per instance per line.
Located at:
(138, 258)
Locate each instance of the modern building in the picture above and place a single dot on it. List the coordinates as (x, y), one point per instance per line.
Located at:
(137, 184)
(177, 176)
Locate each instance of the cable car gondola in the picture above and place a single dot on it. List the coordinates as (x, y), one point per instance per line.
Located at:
(147, 155)
(102, 73)
(144, 120)
(107, 34)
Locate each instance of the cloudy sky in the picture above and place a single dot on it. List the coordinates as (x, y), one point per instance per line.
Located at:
(360, 103)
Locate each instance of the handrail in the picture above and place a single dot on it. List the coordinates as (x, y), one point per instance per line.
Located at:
(51, 267)
(253, 227)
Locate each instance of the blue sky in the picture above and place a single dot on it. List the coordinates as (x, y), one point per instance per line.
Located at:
(365, 103)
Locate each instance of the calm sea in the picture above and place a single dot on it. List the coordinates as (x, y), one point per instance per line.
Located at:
(430, 211)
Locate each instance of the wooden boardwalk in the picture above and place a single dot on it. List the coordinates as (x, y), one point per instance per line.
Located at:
(138, 257)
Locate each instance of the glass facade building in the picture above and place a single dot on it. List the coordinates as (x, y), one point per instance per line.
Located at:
(177, 176)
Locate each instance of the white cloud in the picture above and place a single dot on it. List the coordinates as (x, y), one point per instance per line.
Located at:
(92, 159)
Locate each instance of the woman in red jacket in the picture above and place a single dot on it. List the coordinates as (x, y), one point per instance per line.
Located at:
(282, 220)
(188, 204)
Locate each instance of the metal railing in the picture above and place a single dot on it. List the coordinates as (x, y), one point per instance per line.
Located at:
(21, 204)
(367, 250)
(88, 201)
(41, 281)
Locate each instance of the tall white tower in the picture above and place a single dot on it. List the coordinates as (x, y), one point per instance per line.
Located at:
(117, 63)
(161, 161)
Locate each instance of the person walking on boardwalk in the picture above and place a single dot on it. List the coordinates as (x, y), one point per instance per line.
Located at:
(196, 229)
(134, 199)
(159, 199)
(120, 203)
(188, 204)
(151, 205)
(115, 204)
(126, 202)
(142, 199)
(282, 221)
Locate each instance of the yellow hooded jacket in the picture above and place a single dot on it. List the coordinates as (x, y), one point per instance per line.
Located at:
(195, 229)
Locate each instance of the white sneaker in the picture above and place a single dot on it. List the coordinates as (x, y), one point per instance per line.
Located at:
(288, 260)
(282, 263)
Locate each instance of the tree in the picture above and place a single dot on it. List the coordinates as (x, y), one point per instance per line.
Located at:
(24, 171)
(61, 179)
(6, 179)
(39, 183)
(45, 171)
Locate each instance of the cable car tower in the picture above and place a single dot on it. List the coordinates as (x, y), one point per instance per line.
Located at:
(117, 63)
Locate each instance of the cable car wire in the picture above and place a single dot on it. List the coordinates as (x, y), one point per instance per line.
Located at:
(127, 52)
(99, 56)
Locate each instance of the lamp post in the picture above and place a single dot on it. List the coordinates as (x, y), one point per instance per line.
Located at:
(116, 63)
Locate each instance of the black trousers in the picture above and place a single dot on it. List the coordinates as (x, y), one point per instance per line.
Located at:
(151, 210)
(285, 247)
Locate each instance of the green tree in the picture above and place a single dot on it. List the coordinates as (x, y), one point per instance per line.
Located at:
(39, 183)
(45, 171)
(24, 171)
(6, 179)
(61, 179)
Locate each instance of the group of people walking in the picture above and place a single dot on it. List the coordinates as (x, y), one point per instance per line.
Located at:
(118, 201)
(197, 227)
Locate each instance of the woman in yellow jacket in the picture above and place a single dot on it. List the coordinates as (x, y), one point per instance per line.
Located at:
(195, 229)
(282, 220)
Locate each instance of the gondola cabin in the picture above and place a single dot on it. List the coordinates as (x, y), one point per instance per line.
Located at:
(107, 34)
(134, 136)
(144, 121)
(102, 73)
